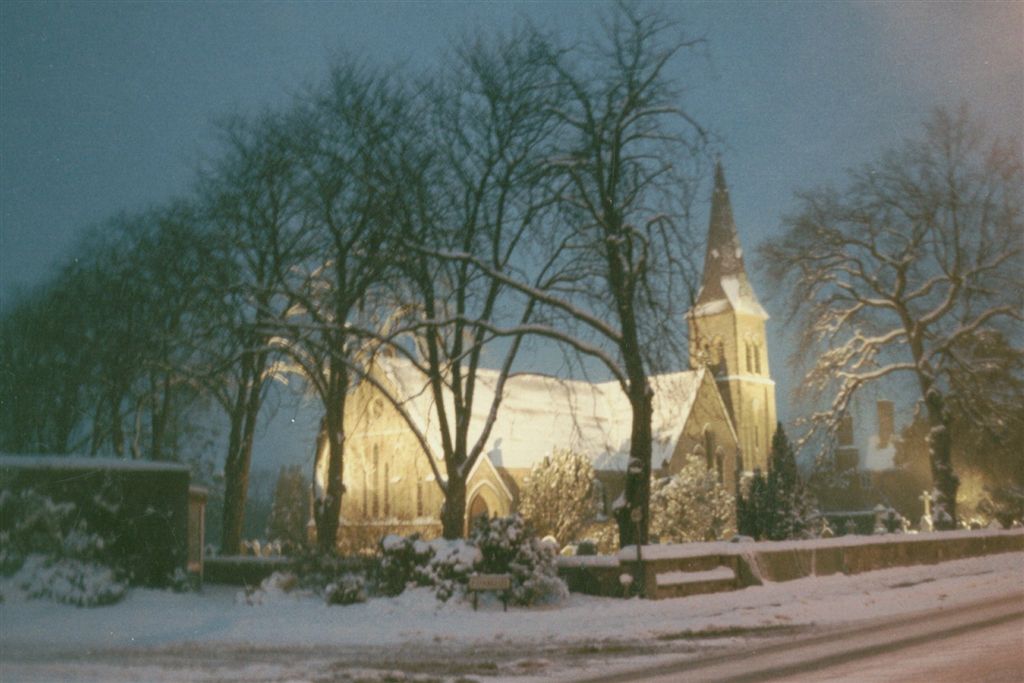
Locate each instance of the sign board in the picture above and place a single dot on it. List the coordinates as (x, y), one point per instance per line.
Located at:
(490, 582)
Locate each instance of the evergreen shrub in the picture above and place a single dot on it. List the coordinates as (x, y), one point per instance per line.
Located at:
(502, 545)
(58, 555)
(403, 562)
(508, 546)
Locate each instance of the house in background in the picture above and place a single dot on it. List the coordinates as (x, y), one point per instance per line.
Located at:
(868, 476)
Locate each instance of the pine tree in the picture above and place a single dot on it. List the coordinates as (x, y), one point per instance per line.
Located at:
(757, 504)
(782, 488)
(779, 506)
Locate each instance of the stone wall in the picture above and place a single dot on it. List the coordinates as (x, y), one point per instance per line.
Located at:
(755, 563)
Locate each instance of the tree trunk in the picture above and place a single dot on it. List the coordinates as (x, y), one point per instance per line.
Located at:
(236, 485)
(161, 409)
(96, 438)
(328, 516)
(238, 463)
(637, 492)
(116, 429)
(453, 514)
(944, 479)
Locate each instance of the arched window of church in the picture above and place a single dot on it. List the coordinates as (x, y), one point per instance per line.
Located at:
(376, 481)
(720, 464)
(750, 364)
(387, 486)
(757, 358)
(598, 497)
(419, 497)
(755, 414)
(709, 447)
(366, 486)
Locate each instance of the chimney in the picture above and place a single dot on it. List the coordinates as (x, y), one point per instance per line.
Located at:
(885, 423)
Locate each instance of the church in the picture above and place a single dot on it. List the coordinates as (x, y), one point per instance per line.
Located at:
(722, 409)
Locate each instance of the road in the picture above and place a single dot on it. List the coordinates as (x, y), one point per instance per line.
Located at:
(979, 642)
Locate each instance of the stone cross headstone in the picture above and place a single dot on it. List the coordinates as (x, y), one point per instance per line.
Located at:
(879, 519)
(826, 529)
(927, 524)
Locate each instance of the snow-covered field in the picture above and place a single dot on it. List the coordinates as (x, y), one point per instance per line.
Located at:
(217, 635)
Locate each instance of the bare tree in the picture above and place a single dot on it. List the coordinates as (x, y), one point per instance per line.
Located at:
(109, 341)
(169, 267)
(904, 271)
(115, 329)
(481, 185)
(45, 369)
(629, 160)
(340, 138)
(251, 201)
(133, 284)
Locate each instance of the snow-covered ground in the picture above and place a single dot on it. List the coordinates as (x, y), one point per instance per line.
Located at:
(217, 635)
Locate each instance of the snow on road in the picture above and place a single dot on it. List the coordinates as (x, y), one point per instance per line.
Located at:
(993, 655)
(214, 635)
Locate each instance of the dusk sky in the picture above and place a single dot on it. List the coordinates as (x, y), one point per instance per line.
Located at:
(107, 106)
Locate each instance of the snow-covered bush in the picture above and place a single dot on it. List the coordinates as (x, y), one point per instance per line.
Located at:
(508, 546)
(403, 561)
(347, 590)
(503, 545)
(274, 587)
(603, 536)
(339, 580)
(182, 581)
(75, 582)
(692, 505)
(59, 557)
(558, 497)
(31, 523)
(449, 568)
(1004, 503)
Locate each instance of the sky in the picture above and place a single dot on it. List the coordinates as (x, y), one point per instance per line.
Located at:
(109, 106)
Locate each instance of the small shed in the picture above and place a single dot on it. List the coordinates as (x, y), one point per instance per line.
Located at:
(153, 518)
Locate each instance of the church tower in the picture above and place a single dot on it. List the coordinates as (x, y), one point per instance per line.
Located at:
(727, 334)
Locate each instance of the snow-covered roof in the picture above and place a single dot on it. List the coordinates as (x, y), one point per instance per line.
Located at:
(540, 413)
(739, 296)
(81, 462)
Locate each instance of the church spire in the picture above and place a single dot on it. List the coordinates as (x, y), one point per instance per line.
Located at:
(725, 277)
